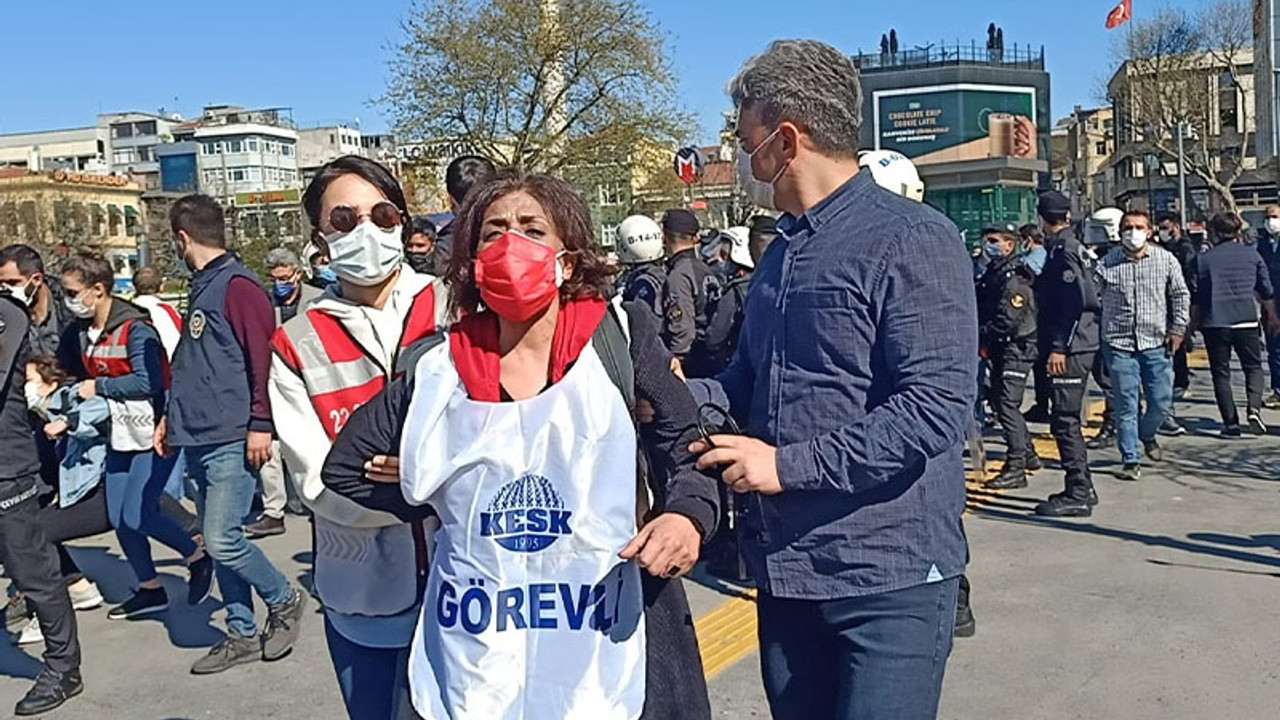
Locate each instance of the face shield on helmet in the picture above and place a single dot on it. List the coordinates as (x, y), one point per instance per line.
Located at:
(894, 172)
(639, 241)
(740, 246)
(1103, 227)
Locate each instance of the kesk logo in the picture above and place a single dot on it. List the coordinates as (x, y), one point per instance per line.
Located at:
(526, 515)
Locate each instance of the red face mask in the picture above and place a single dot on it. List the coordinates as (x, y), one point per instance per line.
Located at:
(518, 277)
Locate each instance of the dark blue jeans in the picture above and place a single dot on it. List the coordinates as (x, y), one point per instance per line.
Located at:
(879, 657)
(134, 481)
(374, 682)
(1273, 360)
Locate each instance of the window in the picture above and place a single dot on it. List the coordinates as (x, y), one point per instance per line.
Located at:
(211, 177)
(270, 146)
(610, 193)
(1100, 149)
(286, 150)
(270, 174)
(146, 154)
(255, 174)
(210, 148)
(235, 146)
(251, 144)
(236, 175)
(123, 130)
(147, 127)
(123, 156)
(332, 140)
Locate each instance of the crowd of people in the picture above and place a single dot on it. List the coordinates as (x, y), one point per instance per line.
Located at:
(457, 411)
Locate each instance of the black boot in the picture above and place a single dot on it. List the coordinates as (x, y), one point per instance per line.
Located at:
(1034, 462)
(1010, 478)
(966, 626)
(51, 690)
(1106, 437)
(1064, 506)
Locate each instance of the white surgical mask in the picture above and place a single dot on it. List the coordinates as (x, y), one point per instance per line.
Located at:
(758, 191)
(34, 397)
(1165, 236)
(367, 255)
(23, 293)
(1134, 239)
(1273, 226)
(78, 308)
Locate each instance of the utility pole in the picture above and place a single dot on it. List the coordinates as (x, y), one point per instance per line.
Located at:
(1182, 176)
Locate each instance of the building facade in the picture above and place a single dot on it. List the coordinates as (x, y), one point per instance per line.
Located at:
(58, 212)
(1221, 119)
(134, 138)
(1089, 143)
(975, 120)
(72, 149)
(319, 145)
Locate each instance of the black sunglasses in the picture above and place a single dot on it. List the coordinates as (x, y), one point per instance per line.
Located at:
(345, 218)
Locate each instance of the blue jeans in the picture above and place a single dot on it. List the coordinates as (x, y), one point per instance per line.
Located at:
(879, 657)
(226, 483)
(1273, 360)
(1149, 372)
(374, 682)
(134, 481)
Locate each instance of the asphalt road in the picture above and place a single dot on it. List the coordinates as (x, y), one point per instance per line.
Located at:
(1162, 605)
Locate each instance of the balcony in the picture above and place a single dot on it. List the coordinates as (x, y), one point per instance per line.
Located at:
(1018, 57)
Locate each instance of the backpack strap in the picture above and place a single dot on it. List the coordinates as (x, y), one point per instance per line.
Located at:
(613, 344)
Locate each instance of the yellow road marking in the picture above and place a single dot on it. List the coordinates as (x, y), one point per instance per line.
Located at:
(727, 634)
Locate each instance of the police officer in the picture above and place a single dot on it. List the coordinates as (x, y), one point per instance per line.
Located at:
(684, 297)
(1102, 233)
(1007, 334)
(724, 316)
(640, 251)
(1068, 337)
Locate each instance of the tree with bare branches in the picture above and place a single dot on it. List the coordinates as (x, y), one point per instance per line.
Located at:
(540, 85)
(1189, 73)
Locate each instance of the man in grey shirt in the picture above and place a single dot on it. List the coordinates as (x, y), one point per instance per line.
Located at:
(1145, 310)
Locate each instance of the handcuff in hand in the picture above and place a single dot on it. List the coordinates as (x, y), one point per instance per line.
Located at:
(715, 420)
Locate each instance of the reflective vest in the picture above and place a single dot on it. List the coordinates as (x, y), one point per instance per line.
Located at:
(109, 356)
(339, 374)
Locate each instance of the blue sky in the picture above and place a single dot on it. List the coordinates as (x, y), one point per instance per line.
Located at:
(66, 60)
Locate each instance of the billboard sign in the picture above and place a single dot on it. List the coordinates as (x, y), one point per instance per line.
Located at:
(290, 196)
(950, 123)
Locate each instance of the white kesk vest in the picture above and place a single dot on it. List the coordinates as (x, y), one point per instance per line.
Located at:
(529, 613)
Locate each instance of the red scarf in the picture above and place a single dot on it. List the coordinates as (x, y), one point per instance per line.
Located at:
(473, 342)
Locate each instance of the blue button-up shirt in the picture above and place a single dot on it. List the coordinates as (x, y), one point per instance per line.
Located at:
(857, 361)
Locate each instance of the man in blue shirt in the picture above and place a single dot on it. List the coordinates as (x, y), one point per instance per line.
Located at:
(853, 378)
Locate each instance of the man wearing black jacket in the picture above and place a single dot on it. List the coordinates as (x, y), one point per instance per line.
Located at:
(27, 555)
(1069, 339)
(1269, 248)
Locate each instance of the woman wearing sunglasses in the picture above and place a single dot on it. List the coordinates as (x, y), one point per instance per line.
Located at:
(329, 359)
(552, 590)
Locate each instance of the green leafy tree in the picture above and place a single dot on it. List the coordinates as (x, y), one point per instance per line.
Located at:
(542, 85)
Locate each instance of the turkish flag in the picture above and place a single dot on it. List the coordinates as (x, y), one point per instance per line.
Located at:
(1121, 14)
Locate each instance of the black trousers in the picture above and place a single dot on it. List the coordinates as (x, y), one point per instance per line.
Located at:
(86, 518)
(1044, 388)
(1181, 368)
(1219, 342)
(1010, 366)
(32, 563)
(1102, 375)
(1069, 391)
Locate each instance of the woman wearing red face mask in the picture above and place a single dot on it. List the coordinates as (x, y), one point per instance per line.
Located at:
(552, 589)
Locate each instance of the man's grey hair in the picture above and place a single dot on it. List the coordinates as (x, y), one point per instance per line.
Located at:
(806, 82)
(282, 258)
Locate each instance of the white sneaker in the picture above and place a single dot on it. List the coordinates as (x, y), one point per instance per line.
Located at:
(31, 634)
(86, 599)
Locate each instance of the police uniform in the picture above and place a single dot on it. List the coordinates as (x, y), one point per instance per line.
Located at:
(644, 284)
(1007, 332)
(1069, 324)
(684, 308)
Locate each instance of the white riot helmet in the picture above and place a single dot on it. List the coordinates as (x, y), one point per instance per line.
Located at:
(740, 246)
(894, 172)
(639, 240)
(1103, 227)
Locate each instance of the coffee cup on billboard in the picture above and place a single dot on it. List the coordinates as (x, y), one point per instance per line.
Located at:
(1001, 130)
